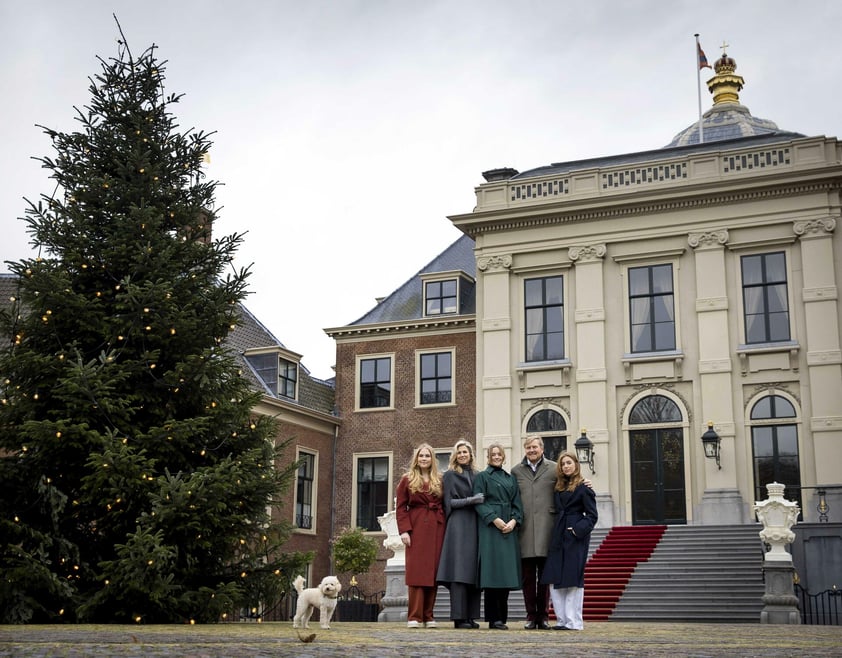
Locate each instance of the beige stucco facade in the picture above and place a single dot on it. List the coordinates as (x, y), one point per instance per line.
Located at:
(700, 211)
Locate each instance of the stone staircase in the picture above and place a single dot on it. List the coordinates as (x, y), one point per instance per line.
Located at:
(611, 566)
(695, 574)
(698, 574)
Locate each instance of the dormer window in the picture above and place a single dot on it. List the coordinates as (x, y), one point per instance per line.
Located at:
(447, 293)
(279, 374)
(440, 297)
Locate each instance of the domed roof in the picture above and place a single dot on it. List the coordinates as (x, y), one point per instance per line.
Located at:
(727, 119)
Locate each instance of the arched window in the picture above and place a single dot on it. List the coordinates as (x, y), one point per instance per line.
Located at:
(774, 443)
(655, 409)
(552, 428)
(546, 420)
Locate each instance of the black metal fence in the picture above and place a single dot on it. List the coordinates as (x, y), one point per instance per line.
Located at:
(822, 609)
(352, 605)
(355, 605)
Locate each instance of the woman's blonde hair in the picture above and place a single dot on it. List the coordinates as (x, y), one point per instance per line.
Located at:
(565, 482)
(454, 465)
(491, 447)
(416, 477)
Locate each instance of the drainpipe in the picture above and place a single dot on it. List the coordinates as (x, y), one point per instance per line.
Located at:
(333, 494)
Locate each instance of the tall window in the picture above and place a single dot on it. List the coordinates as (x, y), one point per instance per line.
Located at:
(765, 298)
(304, 490)
(774, 439)
(436, 378)
(651, 306)
(440, 297)
(287, 378)
(372, 491)
(544, 302)
(375, 382)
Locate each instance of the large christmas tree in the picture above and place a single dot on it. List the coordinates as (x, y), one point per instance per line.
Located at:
(134, 478)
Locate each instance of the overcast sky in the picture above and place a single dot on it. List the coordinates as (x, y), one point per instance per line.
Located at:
(348, 130)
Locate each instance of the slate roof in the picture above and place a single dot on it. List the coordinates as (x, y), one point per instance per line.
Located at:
(406, 303)
(313, 393)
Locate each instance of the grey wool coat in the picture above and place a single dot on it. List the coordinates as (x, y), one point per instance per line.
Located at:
(458, 563)
(499, 554)
(537, 494)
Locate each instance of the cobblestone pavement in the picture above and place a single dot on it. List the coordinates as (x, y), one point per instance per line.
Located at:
(391, 640)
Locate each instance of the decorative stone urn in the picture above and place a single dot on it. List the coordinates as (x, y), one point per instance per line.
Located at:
(778, 515)
(389, 524)
(396, 599)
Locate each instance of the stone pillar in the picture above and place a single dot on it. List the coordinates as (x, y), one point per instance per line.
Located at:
(721, 502)
(824, 356)
(495, 405)
(396, 599)
(778, 515)
(591, 375)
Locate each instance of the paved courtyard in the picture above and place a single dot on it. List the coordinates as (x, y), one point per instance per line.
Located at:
(388, 640)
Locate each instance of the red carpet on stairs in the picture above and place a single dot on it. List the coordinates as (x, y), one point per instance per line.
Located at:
(612, 564)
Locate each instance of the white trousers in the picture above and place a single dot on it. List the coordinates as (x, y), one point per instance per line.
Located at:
(567, 603)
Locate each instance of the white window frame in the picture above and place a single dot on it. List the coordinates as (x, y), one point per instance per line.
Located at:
(740, 304)
(390, 487)
(314, 501)
(439, 350)
(566, 310)
(357, 384)
(650, 260)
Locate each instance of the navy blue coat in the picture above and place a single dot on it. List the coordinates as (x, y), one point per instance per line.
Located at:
(568, 553)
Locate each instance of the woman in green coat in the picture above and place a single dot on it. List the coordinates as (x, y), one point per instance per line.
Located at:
(500, 514)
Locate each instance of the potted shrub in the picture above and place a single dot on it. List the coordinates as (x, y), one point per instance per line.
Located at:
(354, 552)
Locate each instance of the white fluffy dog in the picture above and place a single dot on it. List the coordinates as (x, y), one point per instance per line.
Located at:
(322, 597)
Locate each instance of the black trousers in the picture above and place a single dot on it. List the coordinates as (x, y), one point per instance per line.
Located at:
(496, 605)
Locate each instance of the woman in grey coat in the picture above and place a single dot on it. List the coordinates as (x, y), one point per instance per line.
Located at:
(458, 563)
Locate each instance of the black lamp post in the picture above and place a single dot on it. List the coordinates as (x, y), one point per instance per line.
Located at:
(585, 451)
(710, 441)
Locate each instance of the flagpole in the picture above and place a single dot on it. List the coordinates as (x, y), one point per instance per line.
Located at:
(699, 90)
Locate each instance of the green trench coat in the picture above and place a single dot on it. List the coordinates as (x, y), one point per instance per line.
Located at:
(499, 554)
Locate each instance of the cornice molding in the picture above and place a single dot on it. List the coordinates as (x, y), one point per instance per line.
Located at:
(463, 323)
(492, 225)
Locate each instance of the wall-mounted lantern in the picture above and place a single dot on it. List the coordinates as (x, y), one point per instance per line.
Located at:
(710, 441)
(585, 450)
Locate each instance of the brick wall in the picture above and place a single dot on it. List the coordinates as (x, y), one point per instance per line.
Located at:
(401, 429)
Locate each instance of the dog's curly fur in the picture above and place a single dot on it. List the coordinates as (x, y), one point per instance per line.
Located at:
(322, 597)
